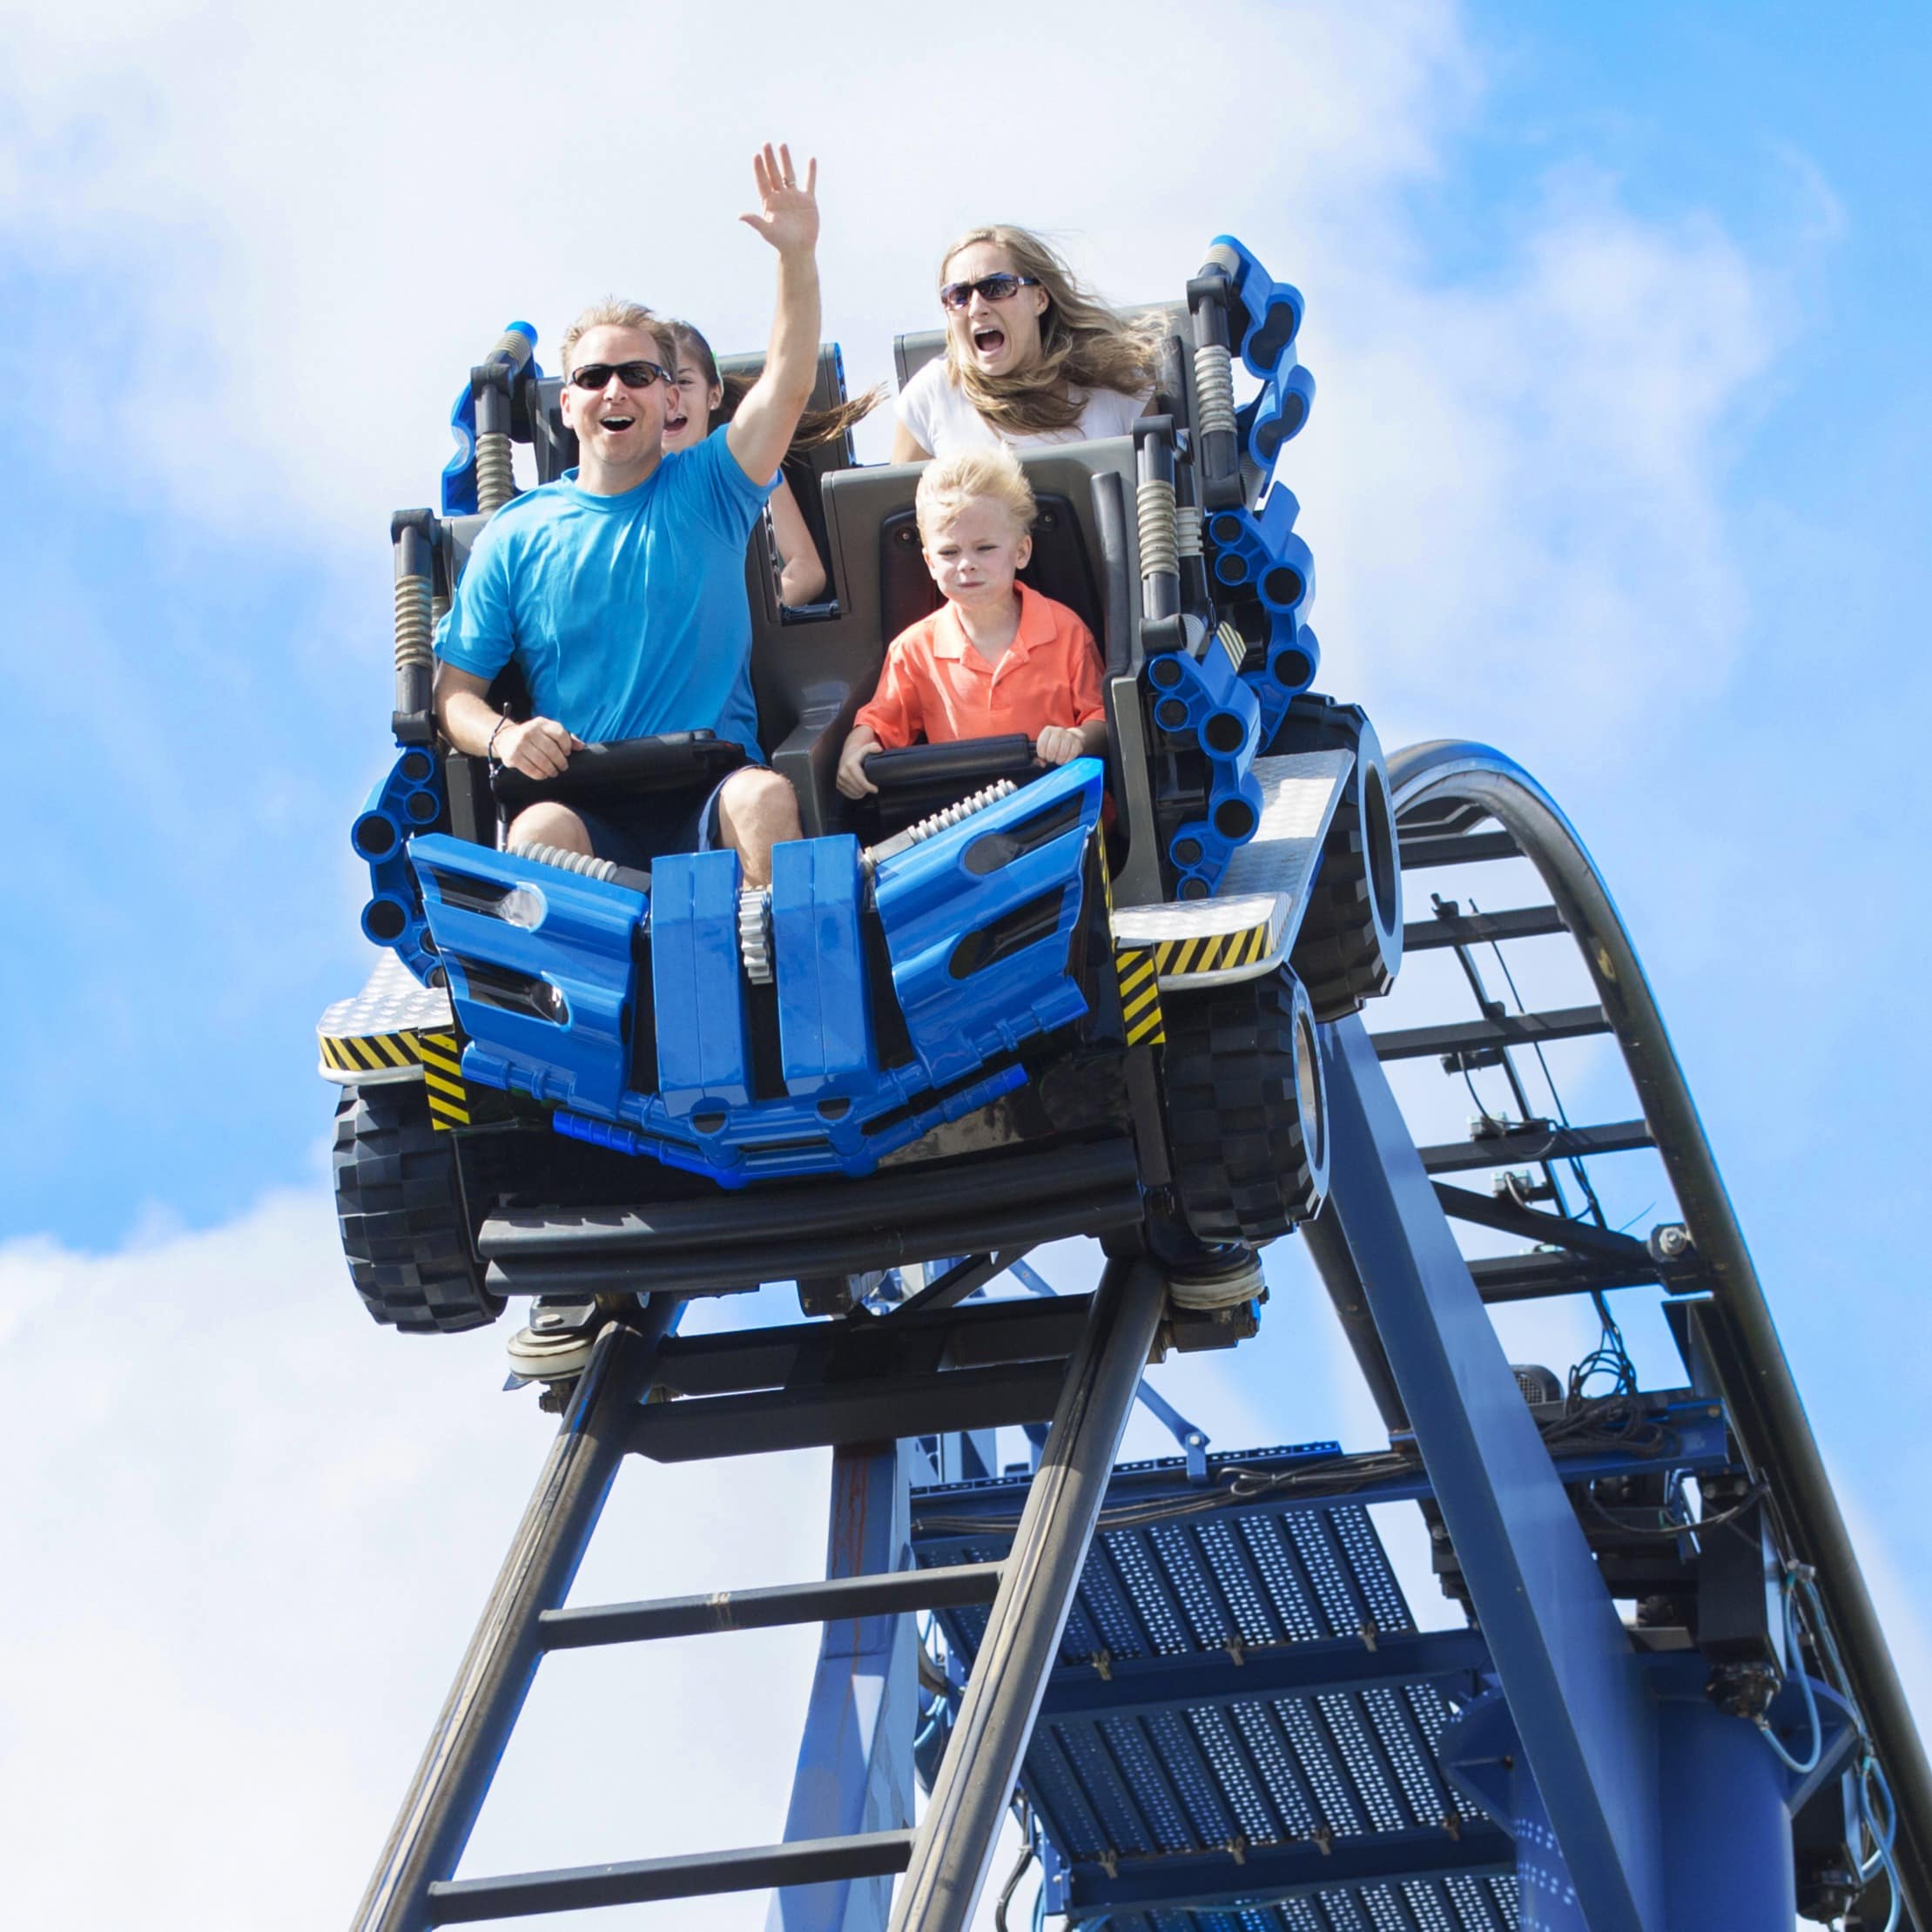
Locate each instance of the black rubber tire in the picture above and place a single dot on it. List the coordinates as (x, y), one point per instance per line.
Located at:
(1349, 949)
(1247, 1111)
(400, 1204)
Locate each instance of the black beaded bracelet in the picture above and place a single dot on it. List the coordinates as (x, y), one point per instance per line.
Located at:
(489, 749)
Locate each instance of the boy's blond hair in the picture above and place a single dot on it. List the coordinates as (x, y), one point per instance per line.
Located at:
(614, 311)
(989, 470)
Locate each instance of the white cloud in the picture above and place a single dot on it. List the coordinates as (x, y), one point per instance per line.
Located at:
(1512, 481)
(250, 1533)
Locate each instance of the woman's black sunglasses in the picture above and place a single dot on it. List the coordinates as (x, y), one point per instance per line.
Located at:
(633, 375)
(995, 288)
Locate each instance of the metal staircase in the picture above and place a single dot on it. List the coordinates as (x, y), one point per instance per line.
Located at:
(1198, 1680)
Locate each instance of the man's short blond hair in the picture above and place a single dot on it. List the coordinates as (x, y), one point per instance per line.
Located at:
(615, 312)
(988, 469)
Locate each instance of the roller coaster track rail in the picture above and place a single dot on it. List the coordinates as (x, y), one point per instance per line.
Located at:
(1449, 795)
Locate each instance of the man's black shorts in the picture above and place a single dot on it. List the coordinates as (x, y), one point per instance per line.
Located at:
(633, 831)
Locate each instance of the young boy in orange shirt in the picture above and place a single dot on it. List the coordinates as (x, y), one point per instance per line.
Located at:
(996, 658)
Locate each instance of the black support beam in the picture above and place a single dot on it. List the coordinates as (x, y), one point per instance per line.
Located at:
(1138, 1686)
(1469, 848)
(1265, 1873)
(1536, 1277)
(524, 1894)
(823, 1415)
(1511, 1217)
(1536, 1145)
(828, 1601)
(1522, 922)
(1509, 1029)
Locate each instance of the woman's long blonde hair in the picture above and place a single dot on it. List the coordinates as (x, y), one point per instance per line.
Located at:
(1083, 345)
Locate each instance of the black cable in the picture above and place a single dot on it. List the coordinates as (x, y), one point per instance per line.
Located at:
(1611, 1422)
(1026, 1856)
(1673, 1531)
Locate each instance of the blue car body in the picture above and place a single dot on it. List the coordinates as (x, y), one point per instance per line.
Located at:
(627, 1014)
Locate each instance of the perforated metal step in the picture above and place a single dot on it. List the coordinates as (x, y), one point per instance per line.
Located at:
(1243, 1728)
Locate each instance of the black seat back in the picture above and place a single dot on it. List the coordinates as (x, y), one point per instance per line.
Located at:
(1059, 568)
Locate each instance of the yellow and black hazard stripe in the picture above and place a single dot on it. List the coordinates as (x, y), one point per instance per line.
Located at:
(441, 1055)
(1140, 996)
(1232, 642)
(1210, 953)
(438, 1054)
(369, 1053)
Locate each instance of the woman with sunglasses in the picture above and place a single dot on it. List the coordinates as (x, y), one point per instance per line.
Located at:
(1031, 357)
(703, 399)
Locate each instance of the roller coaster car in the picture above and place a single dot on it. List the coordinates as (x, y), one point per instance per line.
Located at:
(979, 1010)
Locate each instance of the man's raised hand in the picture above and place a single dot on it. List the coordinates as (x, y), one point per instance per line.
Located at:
(788, 214)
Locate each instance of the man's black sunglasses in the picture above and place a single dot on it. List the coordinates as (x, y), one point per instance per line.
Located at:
(633, 375)
(995, 288)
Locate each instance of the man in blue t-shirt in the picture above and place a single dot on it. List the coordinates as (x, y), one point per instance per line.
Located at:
(619, 590)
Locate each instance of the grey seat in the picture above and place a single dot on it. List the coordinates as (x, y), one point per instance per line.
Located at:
(812, 678)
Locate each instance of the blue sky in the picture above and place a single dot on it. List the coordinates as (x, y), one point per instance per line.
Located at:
(1619, 461)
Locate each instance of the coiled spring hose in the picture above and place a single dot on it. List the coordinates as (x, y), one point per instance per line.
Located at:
(1213, 385)
(604, 869)
(415, 622)
(927, 828)
(1154, 513)
(494, 483)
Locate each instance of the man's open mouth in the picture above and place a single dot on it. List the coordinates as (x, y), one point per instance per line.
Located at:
(989, 341)
(617, 423)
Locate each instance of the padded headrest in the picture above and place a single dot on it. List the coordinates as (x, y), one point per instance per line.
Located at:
(1059, 568)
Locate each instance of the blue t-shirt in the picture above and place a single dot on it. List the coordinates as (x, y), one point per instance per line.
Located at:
(627, 615)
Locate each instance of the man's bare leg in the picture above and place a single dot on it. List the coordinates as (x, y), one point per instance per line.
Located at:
(551, 824)
(758, 810)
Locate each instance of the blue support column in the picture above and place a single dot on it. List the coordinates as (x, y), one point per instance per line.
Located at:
(1576, 1689)
(855, 1762)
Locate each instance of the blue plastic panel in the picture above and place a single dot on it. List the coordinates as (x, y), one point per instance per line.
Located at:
(942, 903)
(1197, 1791)
(404, 804)
(539, 968)
(974, 989)
(703, 1054)
(1207, 699)
(1265, 316)
(825, 1018)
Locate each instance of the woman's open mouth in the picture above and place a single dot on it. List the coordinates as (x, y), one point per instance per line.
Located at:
(988, 342)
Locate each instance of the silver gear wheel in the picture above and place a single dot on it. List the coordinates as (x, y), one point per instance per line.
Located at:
(755, 934)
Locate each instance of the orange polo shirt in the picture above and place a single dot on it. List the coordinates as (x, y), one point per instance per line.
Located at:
(936, 685)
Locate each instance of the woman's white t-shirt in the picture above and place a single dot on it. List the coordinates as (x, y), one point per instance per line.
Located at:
(943, 420)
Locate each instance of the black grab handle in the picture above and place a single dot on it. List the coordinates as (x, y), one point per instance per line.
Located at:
(676, 761)
(1008, 757)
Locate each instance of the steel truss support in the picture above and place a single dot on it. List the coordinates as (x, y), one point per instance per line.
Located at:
(855, 1763)
(976, 1778)
(426, 1844)
(1575, 1687)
